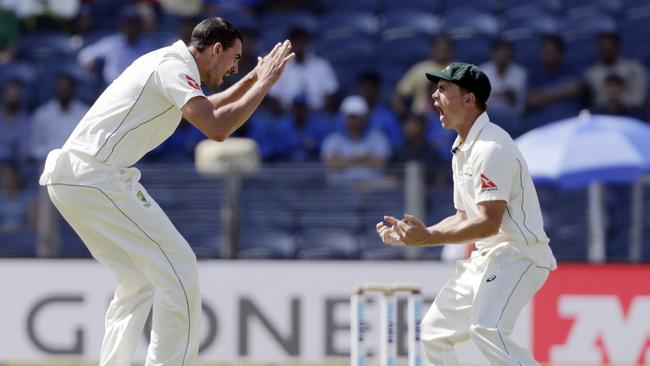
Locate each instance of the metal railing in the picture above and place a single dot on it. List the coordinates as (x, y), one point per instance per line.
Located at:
(219, 216)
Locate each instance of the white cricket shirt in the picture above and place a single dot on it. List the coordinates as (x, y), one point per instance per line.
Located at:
(140, 109)
(488, 166)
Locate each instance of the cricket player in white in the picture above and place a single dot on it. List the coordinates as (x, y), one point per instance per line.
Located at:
(91, 182)
(497, 208)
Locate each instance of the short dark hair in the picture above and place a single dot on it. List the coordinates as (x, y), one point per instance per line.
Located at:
(298, 33)
(369, 77)
(610, 36)
(501, 43)
(418, 118)
(556, 41)
(213, 30)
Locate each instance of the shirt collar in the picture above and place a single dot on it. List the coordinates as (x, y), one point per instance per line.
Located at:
(474, 131)
(185, 54)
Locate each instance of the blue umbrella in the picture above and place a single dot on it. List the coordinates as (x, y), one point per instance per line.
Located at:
(588, 148)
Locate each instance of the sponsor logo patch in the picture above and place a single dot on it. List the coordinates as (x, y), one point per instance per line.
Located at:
(192, 83)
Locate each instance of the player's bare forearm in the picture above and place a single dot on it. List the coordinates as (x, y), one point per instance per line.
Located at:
(235, 92)
(461, 229)
(231, 116)
(462, 232)
(218, 124)
(450, 221)
(454, 229)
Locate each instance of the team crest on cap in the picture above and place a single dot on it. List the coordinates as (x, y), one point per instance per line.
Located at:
(191, 82)
(487, 184)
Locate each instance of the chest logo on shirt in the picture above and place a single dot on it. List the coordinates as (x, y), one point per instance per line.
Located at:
(142, 198)
(192, 83)
(467, 171)
(487, 184)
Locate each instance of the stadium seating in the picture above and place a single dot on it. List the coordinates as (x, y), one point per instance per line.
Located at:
(19, 243)
(70, 245)
(47, 46)
(406, 22)
(635, 33)
(404, 49)
(88, 86)
(387, 36)
(471, 32)
(426, 6)
(283, 21)
(590, 6)
(525, 29)
(645, 235)
(371, 6)
(348, 23)
(490, 6)
(565, 221)
(544, 6)
(579, 31)
(329, 208)
(25, 72)
(318, 243)
(372, 248)
(266, 244)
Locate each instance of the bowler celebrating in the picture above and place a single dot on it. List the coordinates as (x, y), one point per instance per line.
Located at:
(92, 183)
(496, 207)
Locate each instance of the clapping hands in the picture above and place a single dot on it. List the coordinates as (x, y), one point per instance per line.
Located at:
(408, 231)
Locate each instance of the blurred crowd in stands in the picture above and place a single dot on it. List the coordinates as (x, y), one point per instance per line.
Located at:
(355, 99)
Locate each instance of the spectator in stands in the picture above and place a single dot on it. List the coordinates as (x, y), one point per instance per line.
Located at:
(381, 116)
(413, 88)
(261, 128)
(119, 50)
(54, 121)
(17, 204)
(182, 8)
(185, 28)
(508, 98)
(14, 124)
(614, 98)
(554, 90)
(416, 148)
(31, 8)
(309, 74)
(611, 62)
(299, 134)
(8, 34)
(438, 137)
(357, 154)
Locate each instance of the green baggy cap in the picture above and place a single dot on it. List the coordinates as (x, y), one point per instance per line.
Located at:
(467, 76)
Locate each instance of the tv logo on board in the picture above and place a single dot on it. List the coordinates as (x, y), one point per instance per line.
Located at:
(593, 315)
(603, 331)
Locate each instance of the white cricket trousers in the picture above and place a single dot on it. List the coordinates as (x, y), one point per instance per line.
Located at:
(126, 231)
(482, 302)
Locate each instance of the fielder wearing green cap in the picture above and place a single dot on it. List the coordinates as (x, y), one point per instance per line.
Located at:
(496, 209)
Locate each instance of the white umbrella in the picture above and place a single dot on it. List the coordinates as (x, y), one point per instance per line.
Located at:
(589, 150)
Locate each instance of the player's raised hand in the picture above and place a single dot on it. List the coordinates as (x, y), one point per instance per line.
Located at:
(388, 233)
(270, 67)
(413, 231)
